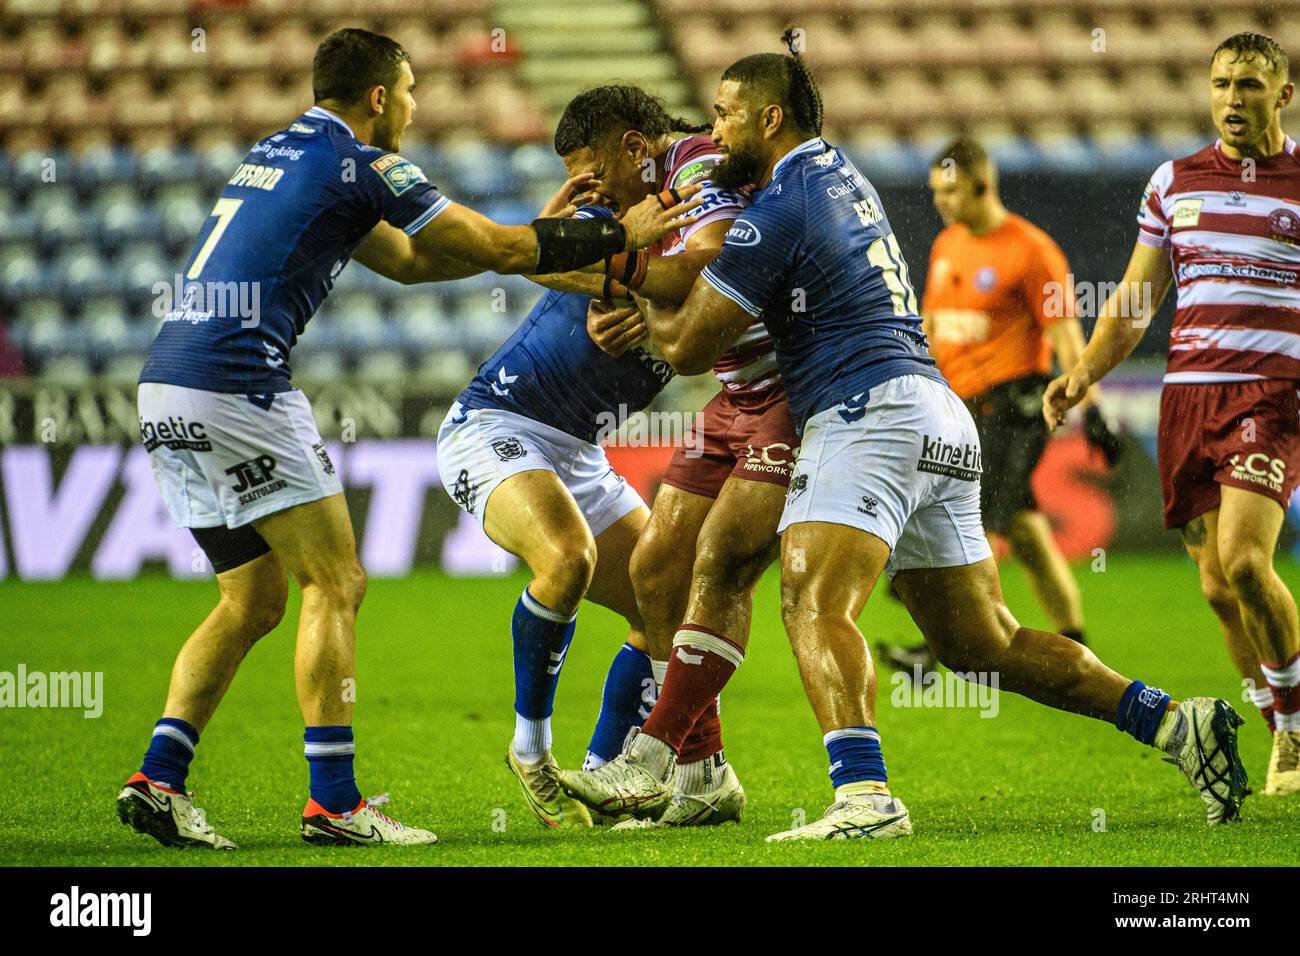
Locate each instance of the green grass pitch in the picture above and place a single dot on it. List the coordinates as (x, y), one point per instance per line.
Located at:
(1027, 787)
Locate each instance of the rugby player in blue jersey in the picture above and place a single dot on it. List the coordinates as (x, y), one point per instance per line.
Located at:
(234, 446)
(887, 479)
(520, 451)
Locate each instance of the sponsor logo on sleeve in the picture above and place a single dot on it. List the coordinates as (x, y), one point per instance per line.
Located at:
(693, 173)
(1146, 194)
(743, 233)
(398, 174)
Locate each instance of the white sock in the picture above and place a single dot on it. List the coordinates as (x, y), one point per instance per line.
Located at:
(532, 738)
(1282, 679)
(592, 762)
(659, 669)
(654, 755)
(1171, 735)
(700, 776)
(1262, 697)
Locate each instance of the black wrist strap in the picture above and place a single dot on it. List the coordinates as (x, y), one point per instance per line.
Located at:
(564, 245)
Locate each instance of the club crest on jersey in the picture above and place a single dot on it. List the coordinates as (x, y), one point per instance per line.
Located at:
(1285, 225)
(743, 233)
(1187, 213)
(398, 174)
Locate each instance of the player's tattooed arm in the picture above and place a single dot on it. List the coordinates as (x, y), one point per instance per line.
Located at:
(1120, 324)
(694, 336)
(390, 252)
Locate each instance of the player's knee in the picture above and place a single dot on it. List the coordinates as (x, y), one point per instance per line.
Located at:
(260, 612)
(728, 566)
(1247, 568)
(654, 572)
(1218, 593)
(342, 585)
(566, 568)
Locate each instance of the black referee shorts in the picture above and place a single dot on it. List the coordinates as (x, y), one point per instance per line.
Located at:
(1013, 436)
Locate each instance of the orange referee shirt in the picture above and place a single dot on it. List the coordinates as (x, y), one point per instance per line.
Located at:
(990, 299)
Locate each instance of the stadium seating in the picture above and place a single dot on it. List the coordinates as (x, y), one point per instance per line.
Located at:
(121, 119)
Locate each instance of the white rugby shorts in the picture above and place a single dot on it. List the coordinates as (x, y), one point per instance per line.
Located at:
(225, 460)
(904, 466)
(481, 447)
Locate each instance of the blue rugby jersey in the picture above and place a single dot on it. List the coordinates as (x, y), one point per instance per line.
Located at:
(286, 224)
(551, 371)
(816, 259)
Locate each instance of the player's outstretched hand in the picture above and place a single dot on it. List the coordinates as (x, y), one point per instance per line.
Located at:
(577, 191)
(1063, 394)
(615, 330)
(659, 214)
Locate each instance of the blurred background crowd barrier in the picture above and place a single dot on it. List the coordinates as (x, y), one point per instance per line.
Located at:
(120, 120)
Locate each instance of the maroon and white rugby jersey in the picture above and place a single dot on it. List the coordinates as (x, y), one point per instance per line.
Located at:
(1233, 231)
(750, 364)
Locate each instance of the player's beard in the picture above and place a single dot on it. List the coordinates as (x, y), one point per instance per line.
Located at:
(742, 166)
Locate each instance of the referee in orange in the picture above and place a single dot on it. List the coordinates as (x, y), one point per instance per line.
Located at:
(999, 302)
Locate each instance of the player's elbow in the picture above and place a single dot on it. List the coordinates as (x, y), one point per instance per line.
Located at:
(686, 360)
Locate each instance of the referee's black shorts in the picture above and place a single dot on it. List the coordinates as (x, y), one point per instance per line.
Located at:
(1013, 435)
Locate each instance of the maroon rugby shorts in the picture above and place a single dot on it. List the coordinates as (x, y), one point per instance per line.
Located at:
(744, 436)
(1243, 434)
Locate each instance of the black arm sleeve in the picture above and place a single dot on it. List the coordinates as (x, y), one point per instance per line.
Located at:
(564, 245)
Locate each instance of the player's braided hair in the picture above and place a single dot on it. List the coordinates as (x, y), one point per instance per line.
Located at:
(787, 80)
(1247, 46)
(617, 108)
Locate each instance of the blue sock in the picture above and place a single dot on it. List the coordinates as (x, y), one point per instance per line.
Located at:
(329, 758)
(1140, 711)
(541, 638)
(625, 702)
(855, 755)
(170, 751)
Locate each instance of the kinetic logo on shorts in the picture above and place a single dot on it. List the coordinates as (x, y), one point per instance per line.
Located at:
(175, 433)
(253, 478)
(941, 457)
